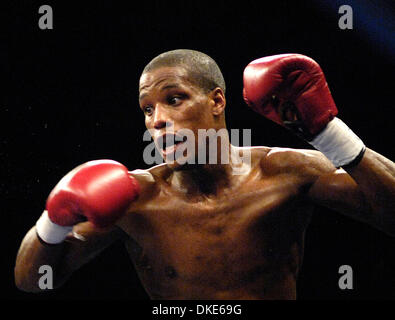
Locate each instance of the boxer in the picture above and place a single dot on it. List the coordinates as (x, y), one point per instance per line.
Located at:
(198, 231)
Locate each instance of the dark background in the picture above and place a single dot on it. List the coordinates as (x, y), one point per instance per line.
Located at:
(69, 95)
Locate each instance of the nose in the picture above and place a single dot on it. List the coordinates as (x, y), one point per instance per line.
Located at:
(160, 118)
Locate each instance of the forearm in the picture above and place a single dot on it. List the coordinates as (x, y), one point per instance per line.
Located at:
(33, 254)
(73, 205)
(375, 176)
(64, 258)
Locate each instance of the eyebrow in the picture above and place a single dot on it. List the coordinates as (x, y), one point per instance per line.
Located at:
(166, 87)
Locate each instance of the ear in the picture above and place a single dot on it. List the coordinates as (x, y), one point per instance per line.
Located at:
(218, 100)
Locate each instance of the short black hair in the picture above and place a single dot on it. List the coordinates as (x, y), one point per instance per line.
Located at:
(202, 69)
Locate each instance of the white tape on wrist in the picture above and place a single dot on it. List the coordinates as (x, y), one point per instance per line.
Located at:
(338, 143)
(50, 232)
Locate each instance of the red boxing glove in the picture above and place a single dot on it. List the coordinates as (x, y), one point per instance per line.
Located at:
(98, 191)
(291, 90)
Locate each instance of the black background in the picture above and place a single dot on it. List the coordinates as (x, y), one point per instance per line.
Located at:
(69, 95)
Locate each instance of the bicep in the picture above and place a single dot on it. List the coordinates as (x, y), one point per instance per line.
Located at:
(338, 191)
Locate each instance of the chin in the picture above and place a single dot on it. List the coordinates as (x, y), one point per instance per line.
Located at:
(185, 165)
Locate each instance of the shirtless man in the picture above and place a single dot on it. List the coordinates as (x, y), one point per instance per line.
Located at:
(201, 231)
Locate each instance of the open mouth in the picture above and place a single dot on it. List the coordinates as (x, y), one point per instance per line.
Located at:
(169, 142)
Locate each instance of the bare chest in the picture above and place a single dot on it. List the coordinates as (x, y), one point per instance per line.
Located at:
(226, 246)
(239, 208)
(246, 224)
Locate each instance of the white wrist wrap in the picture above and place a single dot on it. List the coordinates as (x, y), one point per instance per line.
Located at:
(338, 143)
(50, 232)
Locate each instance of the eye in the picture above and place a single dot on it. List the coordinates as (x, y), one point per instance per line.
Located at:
(148, 110)
(174, 100)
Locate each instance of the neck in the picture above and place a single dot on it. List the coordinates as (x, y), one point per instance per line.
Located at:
(207, 179)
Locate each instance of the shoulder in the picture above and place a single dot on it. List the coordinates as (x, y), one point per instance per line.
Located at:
(151, 175)
(301, 162)
(150, 179)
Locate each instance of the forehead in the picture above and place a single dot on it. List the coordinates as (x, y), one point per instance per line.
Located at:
(162, 75)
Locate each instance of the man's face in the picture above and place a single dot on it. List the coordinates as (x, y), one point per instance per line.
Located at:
(171, 102)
